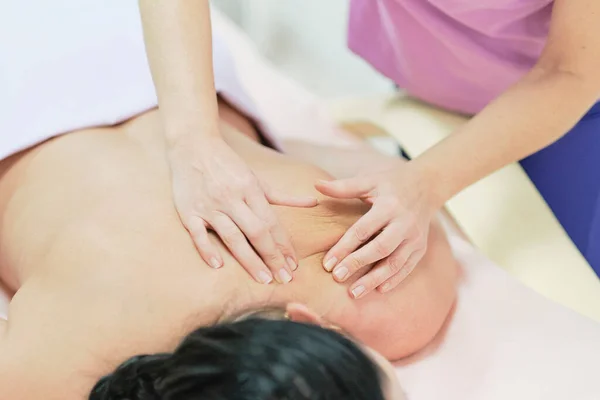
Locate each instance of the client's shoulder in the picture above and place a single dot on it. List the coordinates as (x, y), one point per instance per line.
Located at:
(405, 320)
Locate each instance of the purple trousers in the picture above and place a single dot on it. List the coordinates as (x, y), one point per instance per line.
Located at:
(567, 174)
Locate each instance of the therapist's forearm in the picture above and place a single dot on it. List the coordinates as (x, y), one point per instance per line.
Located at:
(179, 47)
(534, 113)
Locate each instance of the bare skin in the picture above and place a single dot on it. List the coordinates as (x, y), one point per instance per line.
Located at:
(103, 269)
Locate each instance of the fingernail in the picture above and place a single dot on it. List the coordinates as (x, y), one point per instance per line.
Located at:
(292, 264)
(322, 182)
(357, 291)
(341, 273)
(265, 277)
(215, 263)
(330, 263)
(285, 276)
(385, 287)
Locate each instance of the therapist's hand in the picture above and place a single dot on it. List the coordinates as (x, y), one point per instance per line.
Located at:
(213, 188)
(392, 236)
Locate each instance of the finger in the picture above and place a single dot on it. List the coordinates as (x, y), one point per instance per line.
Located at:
(208, 251)
(236, 242)
(409, 267)
(346, 188)
(383, 271)
(265, 212)
(377, 249)
(258, 232)
(361, 231)
(281, 199)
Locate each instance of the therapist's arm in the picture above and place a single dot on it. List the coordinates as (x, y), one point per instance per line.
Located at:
(179, 48)
(539, 109)
(534, 113)
(212, 186)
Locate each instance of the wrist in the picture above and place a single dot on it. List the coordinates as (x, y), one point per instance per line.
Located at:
(186, 133)
(431, 183)
(189, 145)
(183, 133)
(185, 124)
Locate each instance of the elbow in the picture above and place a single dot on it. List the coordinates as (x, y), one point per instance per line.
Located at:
(584, 81)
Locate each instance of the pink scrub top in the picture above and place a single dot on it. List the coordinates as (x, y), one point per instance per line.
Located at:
(457, 54)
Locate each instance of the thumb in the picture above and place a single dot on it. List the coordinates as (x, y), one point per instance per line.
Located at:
(280, 198)
(346, 188)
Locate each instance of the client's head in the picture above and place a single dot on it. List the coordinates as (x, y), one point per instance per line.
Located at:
(270, 354)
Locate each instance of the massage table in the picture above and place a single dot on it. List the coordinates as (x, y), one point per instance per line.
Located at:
(523, 326)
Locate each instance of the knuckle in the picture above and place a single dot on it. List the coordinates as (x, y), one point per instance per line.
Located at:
(410, 268)
(229, 236)
(381, 279)
(382, 249)
(369, 282)
(270, 223)
(389, 282)
(216, 218)
(386, 187)
(195, 228)
(216, 197)
(202, 243)
(361, 234)
(395, 264)
(189, 220)
(258, 232)
(355, 263)
(196, 207)
(421, 244)
(198, 234)
(201, 214)
(273, 258)
(247, 183)
(419, 233)
(389, 202)
(284, 247)
(375, 193)
(215, 191)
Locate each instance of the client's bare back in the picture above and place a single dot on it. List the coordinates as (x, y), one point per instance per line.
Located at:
(103, 269)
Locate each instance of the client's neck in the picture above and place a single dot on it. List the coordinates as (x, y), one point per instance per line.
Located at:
(315, 288)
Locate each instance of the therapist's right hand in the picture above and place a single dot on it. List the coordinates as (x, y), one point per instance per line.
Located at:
(213, 188)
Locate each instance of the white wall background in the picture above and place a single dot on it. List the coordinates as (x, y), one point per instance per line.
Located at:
(307, 39)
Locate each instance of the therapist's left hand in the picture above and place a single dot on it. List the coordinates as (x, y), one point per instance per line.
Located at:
(392, 236)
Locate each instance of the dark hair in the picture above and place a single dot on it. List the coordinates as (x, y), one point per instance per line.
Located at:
(253, 359)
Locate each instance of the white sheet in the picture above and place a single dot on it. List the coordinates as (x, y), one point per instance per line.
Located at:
(505, 341)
